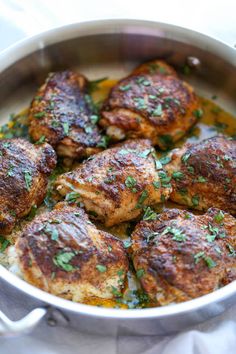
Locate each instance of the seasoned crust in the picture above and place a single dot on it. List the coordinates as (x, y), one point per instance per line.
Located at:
(23, 178)
(181, 256)
(61, 111)
(63, 253)
(204, 174)
(117, 183)
(150, 104)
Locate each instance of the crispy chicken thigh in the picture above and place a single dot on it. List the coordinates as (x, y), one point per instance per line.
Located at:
(23, 178)
(116, 184)
(204, 174)
(181, 256)
(150, 103)
(62, 113)
(63, 253)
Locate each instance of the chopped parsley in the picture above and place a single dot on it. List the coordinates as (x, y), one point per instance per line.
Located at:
(41, 140)
(145, 153)
(88, 129)
(158, 110)
(4, 243)
(101, 268)
(130, 183)
(39, 115)
(115, 291)
(104, 141)
(125, 87)
(66, 127)
(164, 179)
(62, 260)
(72, 197)
(149, 214)
(28, 179)
(127, 243)
(10, 172)
(232, 251)
(156, 184)
(198, 256)
(140, 273)
(185, 157)
(32, 212)
(219, 217)
(177, 175)
(94, 118)
(198, 113)
(195, 200)
(53, 232)
(142, 198)
(178, 234)
(140, 103)
(214, 232)
(165, 160)
(191, 169)
(201, 179)
(208, 260)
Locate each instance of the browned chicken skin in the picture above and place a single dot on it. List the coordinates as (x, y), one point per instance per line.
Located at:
(118, 183)
(150, 103)
(181, 256)
(63, 253)
(61, 111)
(204, 174)
(23, 178)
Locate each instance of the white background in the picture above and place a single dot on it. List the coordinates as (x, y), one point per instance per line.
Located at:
(25, 18)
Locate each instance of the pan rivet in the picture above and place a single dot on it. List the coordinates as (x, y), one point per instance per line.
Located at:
(193, 62)
(51, 322)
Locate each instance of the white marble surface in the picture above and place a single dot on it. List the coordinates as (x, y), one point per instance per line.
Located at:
(22, 18)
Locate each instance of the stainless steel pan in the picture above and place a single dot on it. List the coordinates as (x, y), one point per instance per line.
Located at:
(112, 48)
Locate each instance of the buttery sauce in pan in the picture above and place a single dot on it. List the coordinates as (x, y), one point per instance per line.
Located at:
(213, 121)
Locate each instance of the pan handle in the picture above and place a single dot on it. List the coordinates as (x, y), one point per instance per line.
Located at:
(22, 326)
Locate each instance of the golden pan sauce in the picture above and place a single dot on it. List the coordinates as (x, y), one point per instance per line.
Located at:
(214, 121)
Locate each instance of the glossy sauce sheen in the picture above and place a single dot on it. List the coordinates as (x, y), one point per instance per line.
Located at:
(214, 121)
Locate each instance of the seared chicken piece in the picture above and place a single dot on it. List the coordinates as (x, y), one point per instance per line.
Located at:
(150, 103)
(115, 185)
(181, 256)
(204, 174)
(63, 253)
(24, 169)
(62, 113)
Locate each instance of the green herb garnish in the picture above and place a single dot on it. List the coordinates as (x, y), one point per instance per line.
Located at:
(140, 273)
(195, 200)
(219, 217)
(66, 127)
(72, 197)
(149, 214)
(28, 180)
(101, 268)
(39, 115)
(142, 198)
(62, 260)
(178, 175)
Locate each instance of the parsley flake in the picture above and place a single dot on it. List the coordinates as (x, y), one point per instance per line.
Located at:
(101, 268)
(72, 197)
(149, 214)
(62, 259)
(140, 273)
(28, 179)
(142, 198)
